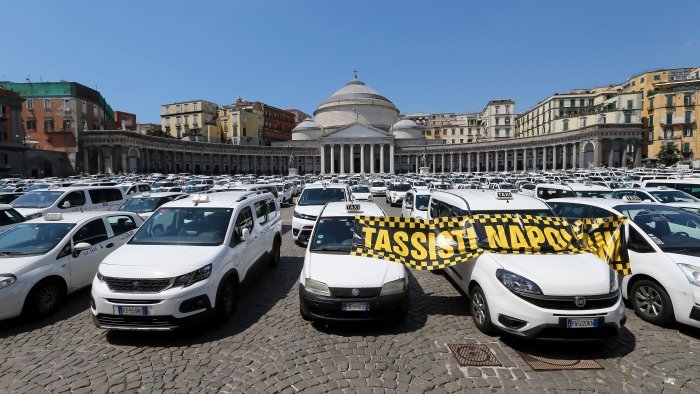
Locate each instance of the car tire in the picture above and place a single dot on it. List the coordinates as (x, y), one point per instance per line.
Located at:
(480, 311)
(651, 302)
(225, 301)
(45, 298)
(275, 253)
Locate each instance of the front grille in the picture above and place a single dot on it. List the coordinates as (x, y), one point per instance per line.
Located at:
(132, 302)
(346, 292)
(568, 303)
(136, 321)
(129, 285)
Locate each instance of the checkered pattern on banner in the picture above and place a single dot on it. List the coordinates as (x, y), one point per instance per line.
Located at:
(610, 251)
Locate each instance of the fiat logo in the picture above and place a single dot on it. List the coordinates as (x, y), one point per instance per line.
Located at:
(580, 302)
(355, 292)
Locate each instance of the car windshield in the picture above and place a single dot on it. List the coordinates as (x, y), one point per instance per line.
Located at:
(533, 212)
(280, 188)
(195, 189)
(360, 189)
(38, 186)
(416, 184)
(401, 187)
(673, 196)
(184, 226)
(41, 199)
(140, 205)
(607, 194)
(442, 186)
(32, 238)
(124, 188)
(672, 229)
(8, 189)
(507, 186)
(333, 234)
(378, 184)
(319, 196)
(422, 201)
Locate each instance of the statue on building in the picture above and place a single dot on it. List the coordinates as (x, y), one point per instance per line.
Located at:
(292, 160)
(424, 160)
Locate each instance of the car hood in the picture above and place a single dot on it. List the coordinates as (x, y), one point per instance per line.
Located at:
(684, 204)
(362, 195)
(690, 257)
(344, 270)
(157, 261)
(14, 265)
(573, 274)
(377, 188)
(398, 193)
(313, 210)
(30, 211)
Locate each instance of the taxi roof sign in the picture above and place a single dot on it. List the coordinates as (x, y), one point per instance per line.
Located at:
(53, 216)
(504, 196)
(353, 208)
(198, 198)
(631, 198)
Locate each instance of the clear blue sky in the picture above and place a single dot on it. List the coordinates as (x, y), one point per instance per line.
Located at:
(425, 56)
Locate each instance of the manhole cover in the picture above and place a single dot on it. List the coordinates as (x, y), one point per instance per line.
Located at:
(474, 355)
(542, 363)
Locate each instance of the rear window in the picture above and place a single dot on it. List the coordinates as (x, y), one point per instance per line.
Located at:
(99, 196)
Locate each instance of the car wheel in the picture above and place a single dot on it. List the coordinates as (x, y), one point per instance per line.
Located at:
(651, 302)
(480, 311)
(45, 298)
(225, 301)
(275, 254)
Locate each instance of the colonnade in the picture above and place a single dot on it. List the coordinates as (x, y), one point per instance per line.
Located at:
(352, 158)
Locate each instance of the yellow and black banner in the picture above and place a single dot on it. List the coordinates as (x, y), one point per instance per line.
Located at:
(442, 242)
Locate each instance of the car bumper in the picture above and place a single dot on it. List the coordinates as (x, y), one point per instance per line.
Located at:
(168, 310)
(379, 193)
(330, 308)
(508, 309)
(12, 299)
(301, 229)
(686, 304)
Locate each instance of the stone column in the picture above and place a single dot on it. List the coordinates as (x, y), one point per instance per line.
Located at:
(524, 160)
(323, 159)
(515, 160)
(86, 160)
(332, 158)
(417, 164)
(352, 158)
(434, 163)
(342, 159)
(637, 154)
(391, 159)
(478, 161)
(495, 160)
(100, 159)
(597, 147)
(574, 157)
(534, 159)
(362, 159)
(452, 162)
(611, 154)
(125, 169)
(459, 161)
(554, 157)
(381, 158)
(371, 159)
(544, 159)
(469, 162)
(563, 157)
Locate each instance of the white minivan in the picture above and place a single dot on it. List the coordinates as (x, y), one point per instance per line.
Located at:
(531, 295)
(69, 199)
(187, 261)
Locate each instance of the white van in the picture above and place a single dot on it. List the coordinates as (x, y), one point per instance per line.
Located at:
(69, 199)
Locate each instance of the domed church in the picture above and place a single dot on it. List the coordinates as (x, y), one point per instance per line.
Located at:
(356, 130)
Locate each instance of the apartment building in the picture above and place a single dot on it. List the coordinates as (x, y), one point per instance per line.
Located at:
(193, 120)
(241, 125)
(498, 120)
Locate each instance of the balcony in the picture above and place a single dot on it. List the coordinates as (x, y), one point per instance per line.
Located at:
(677, 120)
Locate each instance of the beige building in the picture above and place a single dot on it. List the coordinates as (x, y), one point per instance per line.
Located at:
(450, 128)
(498, 120)
(191, 120)
(241, 125)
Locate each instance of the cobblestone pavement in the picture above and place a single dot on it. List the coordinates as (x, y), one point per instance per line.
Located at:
(267, 347)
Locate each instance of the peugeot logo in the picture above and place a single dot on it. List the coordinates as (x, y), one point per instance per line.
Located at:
(135, 285)
(580, 302)
(355, 292)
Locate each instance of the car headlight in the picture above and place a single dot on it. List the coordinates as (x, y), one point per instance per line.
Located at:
(303, 216)
(6, 280)
(614, 284)
(317, 287)
(394, 287)
(691, 272)
(100, 277)
(517, 283)
(193, 277)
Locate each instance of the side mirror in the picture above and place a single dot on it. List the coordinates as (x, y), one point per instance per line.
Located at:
(79, 247)
(295, 200)
(66, 204)
(409, 206)
(245, 235)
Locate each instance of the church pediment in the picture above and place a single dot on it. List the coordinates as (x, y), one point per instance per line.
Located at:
(357, 130)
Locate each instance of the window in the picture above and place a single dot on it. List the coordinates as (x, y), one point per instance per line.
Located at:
(83, 106)
(92, 233)
(194, 106)
(567, 210)
(31, 124)
(651, 120)
(669, 100)
(94, 110)
(637, 243)
(582, 102)
(629, 104)
(686, 147)
(602, 119)
(688, 116)
(177, 121)
(461, 131)
(76, 199)
(641, 80)
(566, 124)
(687, 132)
(10, 216)
(48, 125)
(628, 117)
(99, 196)
(261, 211)
(66, 105)
(668, 133)
(583, 122)
(121, 224)
(177, 108)
(688, 100)
(651, 103)
(195, 120)
(561, 103)
(573, 102)
(186, 107)
(669, 117)
(271, 207)
(244, 221)
(47, 103)
(66, 125)
(657, 77)
(30, 104)
(650, 137)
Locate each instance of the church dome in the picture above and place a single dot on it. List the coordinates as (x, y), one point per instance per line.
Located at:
(406, 129)
(306, 130)
(357, 102)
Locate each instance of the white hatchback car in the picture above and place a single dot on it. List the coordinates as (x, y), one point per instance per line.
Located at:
(337, 286)
(47, 258)
(415, 204)
(378, 188)
(531, 295)
(361, 193)
(309, 205)
(664, 250)
(396, 192)
(187, 261)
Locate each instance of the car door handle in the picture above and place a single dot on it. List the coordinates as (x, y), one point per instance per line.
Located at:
(109, 245)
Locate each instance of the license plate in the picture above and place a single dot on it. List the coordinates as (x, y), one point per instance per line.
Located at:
(356, 307)
(132, 310)
(581, 323)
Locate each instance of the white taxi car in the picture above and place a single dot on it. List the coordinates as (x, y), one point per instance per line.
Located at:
(415, 204)
(187, 261)
(396, 192)
(146, 203)
(47, 258)
(309, 205)
(378, 188)
(664, 250)
(531, 295)
(361, 193)
(336, 286)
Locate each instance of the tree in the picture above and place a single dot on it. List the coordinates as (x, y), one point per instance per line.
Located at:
(668, 154)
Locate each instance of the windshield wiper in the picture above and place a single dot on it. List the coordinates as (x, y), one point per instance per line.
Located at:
(326, 249)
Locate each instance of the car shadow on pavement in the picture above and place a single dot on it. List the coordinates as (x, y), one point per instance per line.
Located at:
(74, 304)
(420, 306)
(266, 289)
(286, 228)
